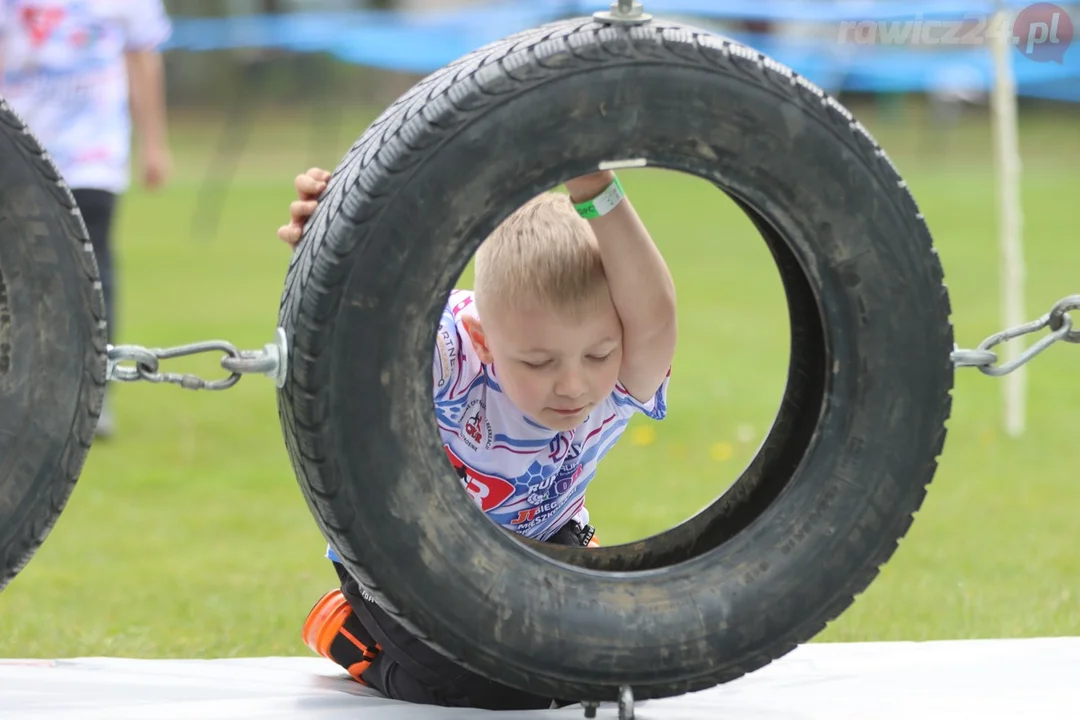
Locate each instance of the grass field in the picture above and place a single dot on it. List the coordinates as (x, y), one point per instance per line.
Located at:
(188, 536)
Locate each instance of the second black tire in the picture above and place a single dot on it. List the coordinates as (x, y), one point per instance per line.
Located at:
(864, 415)
(52, 345)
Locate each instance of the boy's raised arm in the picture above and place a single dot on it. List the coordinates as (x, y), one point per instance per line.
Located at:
(641, 288)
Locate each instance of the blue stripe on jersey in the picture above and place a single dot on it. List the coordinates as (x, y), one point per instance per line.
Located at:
(518, 443)
(658, 411)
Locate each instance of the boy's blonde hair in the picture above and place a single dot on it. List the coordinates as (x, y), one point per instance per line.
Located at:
(543, 254)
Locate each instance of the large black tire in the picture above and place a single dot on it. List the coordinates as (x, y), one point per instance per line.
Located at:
(52, 345)
(835, 485)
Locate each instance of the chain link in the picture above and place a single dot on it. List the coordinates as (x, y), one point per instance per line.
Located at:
(1059, 322)
(270, 361)
(273, 358)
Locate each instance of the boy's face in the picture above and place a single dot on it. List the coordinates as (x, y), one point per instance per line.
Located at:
(553, 367)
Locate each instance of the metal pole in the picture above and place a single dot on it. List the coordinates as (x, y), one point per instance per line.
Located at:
(1010, 217)
(627, 12)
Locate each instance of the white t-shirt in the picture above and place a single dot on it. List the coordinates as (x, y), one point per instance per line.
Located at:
(526, 478)
(64, 73)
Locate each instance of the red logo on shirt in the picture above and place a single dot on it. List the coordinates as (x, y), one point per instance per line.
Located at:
(488, 491)
(476, 428)
(524, 516)
(40, 22)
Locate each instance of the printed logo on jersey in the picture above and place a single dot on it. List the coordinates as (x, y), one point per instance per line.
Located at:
(447, 358)
(565, 478)
(549, 496)
(561, 446)
(561, 482)
(555, 486)
(475, 429)
(40, 22)
(534, 516)
(487, 491)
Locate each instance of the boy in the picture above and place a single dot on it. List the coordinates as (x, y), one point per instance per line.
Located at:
(571, 329)
(67, 67)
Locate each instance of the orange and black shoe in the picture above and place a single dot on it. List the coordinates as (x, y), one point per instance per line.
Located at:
(333, 631)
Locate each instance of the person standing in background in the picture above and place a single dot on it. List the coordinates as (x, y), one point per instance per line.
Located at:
(81, 73)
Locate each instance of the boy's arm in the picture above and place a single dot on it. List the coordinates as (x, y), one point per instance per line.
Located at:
(641, 288)
(147, 83)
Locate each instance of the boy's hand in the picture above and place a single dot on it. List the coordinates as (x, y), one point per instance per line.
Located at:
(156, 165)
(587, 187)
(309, 187)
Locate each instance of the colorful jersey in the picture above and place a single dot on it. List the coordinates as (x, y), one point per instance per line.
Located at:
(526, 478)
(64, 73)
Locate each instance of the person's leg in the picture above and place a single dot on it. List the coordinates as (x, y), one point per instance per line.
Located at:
(344, 627)
(392, 680)
(334, 631)
(413, 672)
(98, 208)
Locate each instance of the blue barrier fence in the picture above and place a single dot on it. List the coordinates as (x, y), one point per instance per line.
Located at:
(424, 41)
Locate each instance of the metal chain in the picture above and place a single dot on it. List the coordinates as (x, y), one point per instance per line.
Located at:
(270, 361)
(1059, 322)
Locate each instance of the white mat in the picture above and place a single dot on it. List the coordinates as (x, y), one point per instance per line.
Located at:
(981, 680)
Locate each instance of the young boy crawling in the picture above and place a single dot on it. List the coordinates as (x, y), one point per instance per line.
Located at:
(570, 330)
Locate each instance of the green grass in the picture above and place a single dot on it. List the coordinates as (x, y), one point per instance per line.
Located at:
(188, 536)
